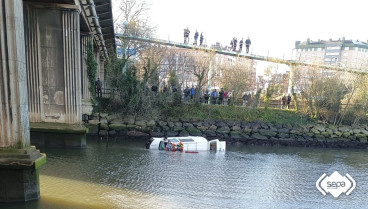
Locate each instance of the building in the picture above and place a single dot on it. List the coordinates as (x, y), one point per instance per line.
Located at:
(342, 52)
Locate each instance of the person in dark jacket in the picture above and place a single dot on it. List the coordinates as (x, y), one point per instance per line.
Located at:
(241, 45)
(154, 88)
(247, 44)
(235, 42)
(221, 96)
(288, 101)
(195, 38)
(283, 102)
(201, 40)
(206, 96)
(186, 94)
(98, 87)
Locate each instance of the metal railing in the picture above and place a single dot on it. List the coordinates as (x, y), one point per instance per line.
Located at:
(249, 56)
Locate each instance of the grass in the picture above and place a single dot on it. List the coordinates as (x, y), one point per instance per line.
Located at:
(236, 113)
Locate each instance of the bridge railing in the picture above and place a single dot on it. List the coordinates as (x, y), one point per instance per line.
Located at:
(237, 54)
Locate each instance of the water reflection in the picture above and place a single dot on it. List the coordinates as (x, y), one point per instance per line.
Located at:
(125, 175)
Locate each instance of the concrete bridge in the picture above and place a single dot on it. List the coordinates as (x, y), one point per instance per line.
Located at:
(291, 63)
(44, 83)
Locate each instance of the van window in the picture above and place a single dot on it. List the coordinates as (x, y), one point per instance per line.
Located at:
(187, 140)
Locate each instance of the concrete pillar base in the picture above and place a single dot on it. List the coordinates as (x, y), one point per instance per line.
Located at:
(56, 135)
(87, 107)
(19, 174)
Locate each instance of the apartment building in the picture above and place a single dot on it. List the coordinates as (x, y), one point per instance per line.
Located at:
(342, 52)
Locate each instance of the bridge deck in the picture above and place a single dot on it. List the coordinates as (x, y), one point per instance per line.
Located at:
(236, 54)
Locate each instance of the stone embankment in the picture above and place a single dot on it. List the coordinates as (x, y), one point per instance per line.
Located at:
(233, 132)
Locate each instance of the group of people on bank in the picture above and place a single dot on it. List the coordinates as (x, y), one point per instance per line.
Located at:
(214, 96)
(285, 101)
(189, 93)
(222, 97)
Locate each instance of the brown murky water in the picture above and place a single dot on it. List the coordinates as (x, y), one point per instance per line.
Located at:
(125, 175)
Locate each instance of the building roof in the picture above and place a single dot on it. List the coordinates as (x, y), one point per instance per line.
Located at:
(321, 43)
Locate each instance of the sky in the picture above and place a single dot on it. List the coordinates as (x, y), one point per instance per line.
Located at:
(273, 26)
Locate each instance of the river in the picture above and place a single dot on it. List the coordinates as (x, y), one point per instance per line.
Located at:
(125, 175)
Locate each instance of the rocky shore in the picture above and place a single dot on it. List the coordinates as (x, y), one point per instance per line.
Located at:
(259, 133)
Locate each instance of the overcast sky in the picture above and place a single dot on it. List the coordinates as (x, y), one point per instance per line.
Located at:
(272, 25)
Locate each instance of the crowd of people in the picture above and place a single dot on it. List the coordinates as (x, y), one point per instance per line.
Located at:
(214, 96)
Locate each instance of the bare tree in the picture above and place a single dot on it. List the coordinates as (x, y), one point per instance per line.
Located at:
(360, 101)
(149, 63)
(236, 76)
(201, 68)
(133, 21)
(303, 79)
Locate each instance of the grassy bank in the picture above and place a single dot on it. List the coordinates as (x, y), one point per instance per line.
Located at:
(236, 113)
(214, 112)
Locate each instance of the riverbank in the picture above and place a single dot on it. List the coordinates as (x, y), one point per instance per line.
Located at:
(304, 133)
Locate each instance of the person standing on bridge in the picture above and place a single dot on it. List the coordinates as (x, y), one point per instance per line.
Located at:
(241, 45)
(232, 44)
(247, 44)
(235, 42)
(186, 35)
(195, 38)
(201, 40)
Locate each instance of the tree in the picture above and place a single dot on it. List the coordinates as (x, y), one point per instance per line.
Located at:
(303, 78)
(133, 21)
(273, 84)
(150, 61)
(131, 85)
(236, 76)
(359, 108)
(201, 67)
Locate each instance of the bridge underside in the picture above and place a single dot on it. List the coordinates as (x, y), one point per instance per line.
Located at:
(43, 80)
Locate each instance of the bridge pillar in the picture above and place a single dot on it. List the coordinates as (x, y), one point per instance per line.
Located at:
(53, 52)
(86, 95)
(19, 162)
(100, 73)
